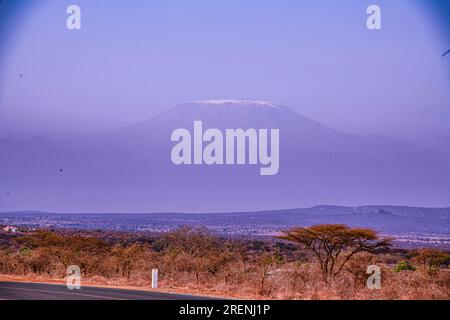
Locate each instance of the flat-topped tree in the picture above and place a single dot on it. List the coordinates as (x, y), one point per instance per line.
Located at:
(334, 245)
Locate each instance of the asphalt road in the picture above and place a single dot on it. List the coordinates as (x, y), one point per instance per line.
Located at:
(36, 291)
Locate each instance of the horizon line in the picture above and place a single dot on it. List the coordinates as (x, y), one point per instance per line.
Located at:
(222, 212)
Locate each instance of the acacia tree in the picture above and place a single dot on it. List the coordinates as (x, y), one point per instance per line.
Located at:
(431, 259)
(334, 245)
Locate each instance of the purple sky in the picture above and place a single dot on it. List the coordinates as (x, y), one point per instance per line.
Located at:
(129, 63)
(132, 62)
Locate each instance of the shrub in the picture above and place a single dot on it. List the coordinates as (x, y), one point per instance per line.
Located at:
(404, 266)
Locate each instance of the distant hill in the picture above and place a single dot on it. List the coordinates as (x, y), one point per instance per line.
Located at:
(386, 219)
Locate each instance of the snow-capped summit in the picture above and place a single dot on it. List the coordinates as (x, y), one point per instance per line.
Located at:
(238, 102)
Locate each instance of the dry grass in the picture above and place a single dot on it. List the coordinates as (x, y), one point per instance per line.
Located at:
(196, 262)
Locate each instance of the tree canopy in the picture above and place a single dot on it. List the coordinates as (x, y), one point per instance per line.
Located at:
(335, 244)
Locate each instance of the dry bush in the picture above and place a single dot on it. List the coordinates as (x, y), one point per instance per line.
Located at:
(195, 260)
(411, 285)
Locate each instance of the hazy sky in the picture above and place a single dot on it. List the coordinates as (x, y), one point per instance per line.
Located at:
(133, 60)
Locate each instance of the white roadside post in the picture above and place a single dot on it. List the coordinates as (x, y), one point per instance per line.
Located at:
(154, 278)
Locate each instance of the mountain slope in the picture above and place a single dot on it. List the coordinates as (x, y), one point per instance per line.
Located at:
(130, 169)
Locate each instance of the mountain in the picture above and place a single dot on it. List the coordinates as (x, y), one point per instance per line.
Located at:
(130, 169)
